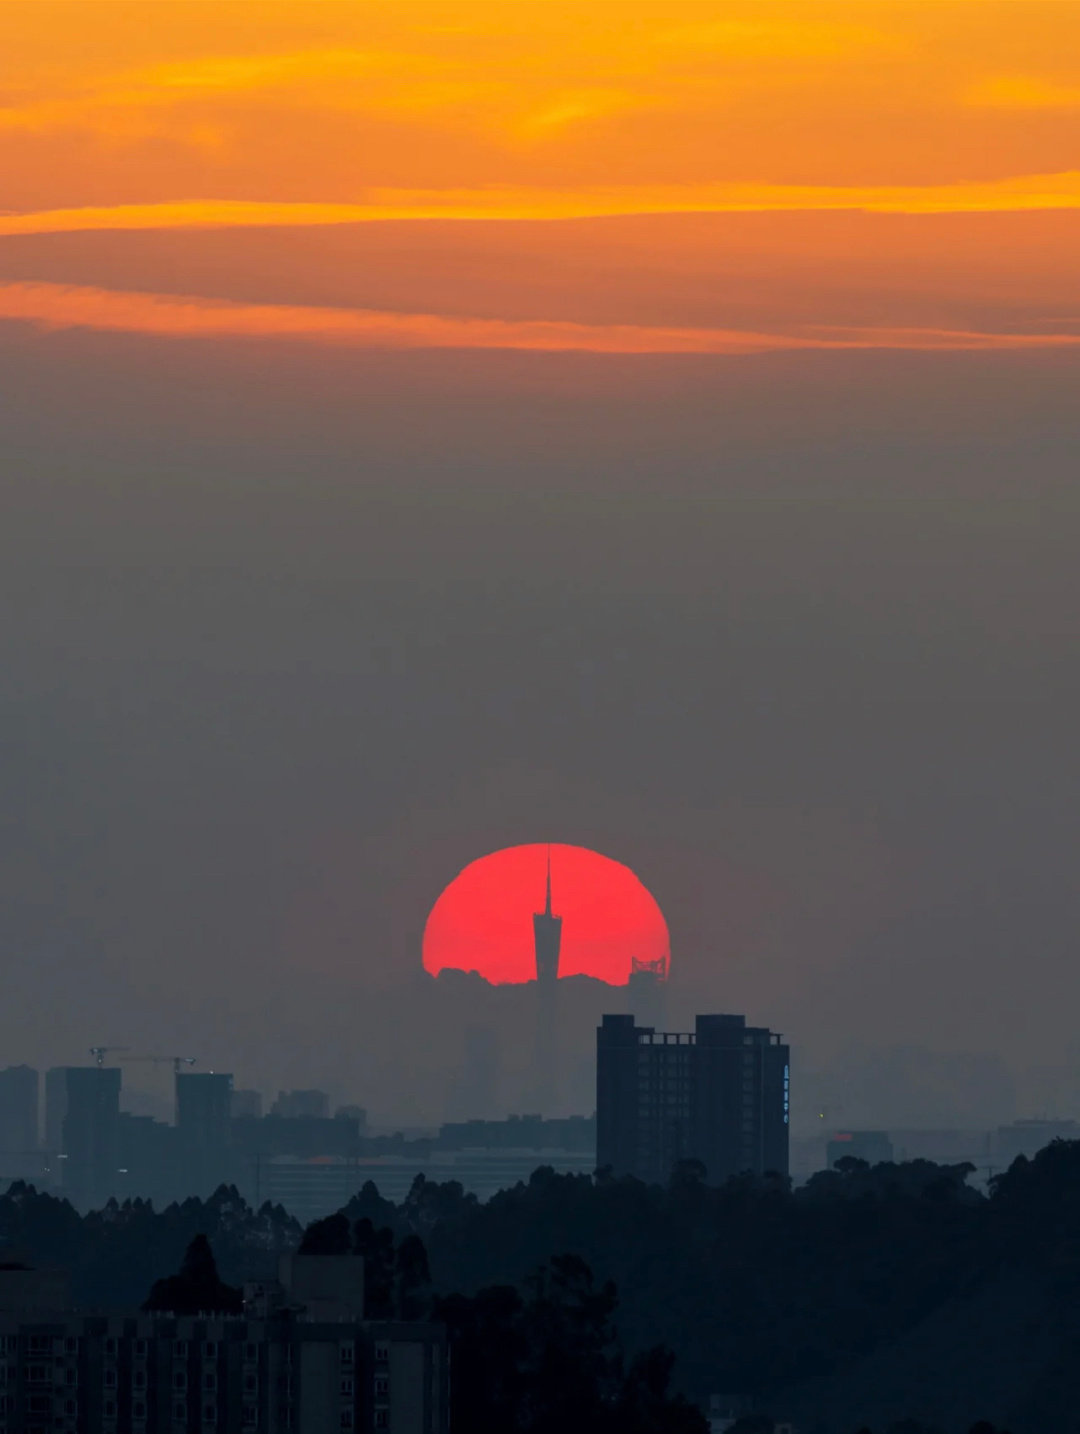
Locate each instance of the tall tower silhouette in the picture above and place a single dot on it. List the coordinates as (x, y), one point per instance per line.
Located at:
(547, 937)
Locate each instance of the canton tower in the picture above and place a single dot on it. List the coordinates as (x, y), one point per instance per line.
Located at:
(547, 938)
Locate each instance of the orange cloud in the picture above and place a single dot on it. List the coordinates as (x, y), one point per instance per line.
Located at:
(1024, 194)
(59, 306)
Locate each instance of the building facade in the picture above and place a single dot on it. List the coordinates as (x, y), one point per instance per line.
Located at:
(279, 1367)
(719, 1095)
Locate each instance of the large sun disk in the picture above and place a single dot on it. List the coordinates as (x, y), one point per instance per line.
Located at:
(483, 921)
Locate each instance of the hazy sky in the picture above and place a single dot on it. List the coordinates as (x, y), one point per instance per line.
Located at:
(320, 579)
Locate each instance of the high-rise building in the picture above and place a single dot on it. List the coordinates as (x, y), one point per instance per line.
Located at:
(718, 1095)
(204, 1108)
(82, 1119)
(18, 1113)
(204, 1128)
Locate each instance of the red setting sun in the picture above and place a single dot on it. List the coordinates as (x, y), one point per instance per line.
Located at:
(483, 921)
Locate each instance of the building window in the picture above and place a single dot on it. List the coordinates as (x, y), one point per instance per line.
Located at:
(348, 1354)
(71, 1345)
(348, 1386)
(138, 1379)
(108, 1378)
(179, 1348)
(382, 1419)
(251, 1352)
(250, 1417)
(38, 1404)
(382, 1388)
(179, 1379)
(70, 1408)
(138, 1409)
(251, 1383)
(346, 1420)
(108, 1409)
(209, 1381)
(209, 1413)
(209, 1349)
(382, 1354)
(179, 1409)
(110, 1349)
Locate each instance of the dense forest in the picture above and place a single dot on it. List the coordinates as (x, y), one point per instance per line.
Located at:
(895, 1297)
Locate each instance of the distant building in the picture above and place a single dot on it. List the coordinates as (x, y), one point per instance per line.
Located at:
(302, 1105)
(719, 1095)
(1028, 1137)
(149, 1164)
(873, 1146)
(645, 991)
(520, 1132)
(300, 1359)
(353, 1112)
(305, 1136)
(18, 1116)
(82, 1118)
(246, 1103)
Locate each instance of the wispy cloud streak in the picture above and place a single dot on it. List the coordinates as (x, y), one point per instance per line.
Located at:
(1029, 193)
(59, 306)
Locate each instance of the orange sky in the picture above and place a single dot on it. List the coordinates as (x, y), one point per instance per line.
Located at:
(893, 174)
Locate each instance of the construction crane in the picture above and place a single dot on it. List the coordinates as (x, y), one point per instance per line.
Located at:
(100, 1052)
(176, 1061)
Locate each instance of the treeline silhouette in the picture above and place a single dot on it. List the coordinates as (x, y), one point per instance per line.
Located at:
(895, 1298)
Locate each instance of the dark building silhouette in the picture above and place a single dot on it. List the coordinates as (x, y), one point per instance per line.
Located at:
(547, 938)
(82, 1117)
(18, 1114)
(719, 1095)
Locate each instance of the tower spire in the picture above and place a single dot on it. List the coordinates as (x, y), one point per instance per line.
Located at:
(547, 935)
